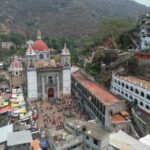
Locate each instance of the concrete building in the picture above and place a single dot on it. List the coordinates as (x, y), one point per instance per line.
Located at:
(98, 101)
(136, 91)
(47, 77)
(144, 26)
(133, 89)
(7, 45)
(78, 135)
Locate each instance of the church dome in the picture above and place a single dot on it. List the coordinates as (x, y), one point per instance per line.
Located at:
(39, 45)
(16, 65)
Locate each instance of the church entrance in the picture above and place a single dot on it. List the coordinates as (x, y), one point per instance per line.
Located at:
(50, 93)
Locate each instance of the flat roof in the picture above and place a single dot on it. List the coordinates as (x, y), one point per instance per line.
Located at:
(92, 129)
(137, 81)
(17, 138)
(117, 118)
(97, 90)
(4, 131)
(121, 140)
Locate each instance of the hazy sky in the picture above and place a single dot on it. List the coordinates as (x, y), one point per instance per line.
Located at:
(145, 2)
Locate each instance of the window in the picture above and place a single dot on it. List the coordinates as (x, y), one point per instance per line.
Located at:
(122, 92)
(148, 96)
(47, 55)
(118, 90)
(127, 87)
(122, 84)
(142, 94)
(126, 94)
(50, 79)
(136, 91)
(119, 82)
(147, 107)
(41, 56)
(131, 97)
(87, 137)
(131, 88)
(17, 73)
(141, 103)
(95, 141)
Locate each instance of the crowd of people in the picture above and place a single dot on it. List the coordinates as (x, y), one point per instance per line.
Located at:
(52, 113)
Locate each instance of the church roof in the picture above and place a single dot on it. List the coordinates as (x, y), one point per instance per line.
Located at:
(16, 65)
(39, 44)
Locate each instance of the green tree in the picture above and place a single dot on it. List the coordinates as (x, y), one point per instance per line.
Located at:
(132, 65)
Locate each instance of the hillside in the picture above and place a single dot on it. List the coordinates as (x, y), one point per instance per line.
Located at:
(73, 18)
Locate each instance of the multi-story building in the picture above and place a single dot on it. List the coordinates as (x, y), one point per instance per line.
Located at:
(133, 89)
(99, 102)
(144, 26)
(137, 91)
(78, 135)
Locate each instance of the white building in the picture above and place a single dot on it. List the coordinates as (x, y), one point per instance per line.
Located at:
(144, 33)
(46, 77)
(133, 89)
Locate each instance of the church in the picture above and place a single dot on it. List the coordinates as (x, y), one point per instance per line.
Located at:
(46, 76)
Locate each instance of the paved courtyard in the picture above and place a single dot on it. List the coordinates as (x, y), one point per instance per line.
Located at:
(53, 115)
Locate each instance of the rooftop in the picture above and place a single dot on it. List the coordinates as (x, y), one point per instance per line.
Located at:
(137, 81)
(92, 129)
(117, 118)
(17, 138)
(121, 140)
(97, 90)
(4, 131)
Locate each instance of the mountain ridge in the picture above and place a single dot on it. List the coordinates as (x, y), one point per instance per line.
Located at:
(71, 18)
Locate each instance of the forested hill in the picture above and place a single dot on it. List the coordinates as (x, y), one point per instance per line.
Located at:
(74, 18)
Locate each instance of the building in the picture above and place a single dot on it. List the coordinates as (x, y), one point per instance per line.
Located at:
(47, 78)
(16, 74)
(133, 89)
(78, 135)
(98, 101)
(122, 141)
(19, 140)
(136, 91)
(7, 45)
(144, 31)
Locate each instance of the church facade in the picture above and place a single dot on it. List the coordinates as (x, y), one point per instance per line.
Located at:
(46, 77)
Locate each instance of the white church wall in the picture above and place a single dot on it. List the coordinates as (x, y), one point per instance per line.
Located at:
(67, 82)
(32, 85)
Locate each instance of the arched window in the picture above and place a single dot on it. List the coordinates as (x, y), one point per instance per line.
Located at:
(148, 96)
(127, 86)
(50, 79)
(142, 94)
(136, 91)
(126, 94)
(41, 56)
(147, 107)
(122, 84)
(131, 88)
(141, 103)
(122, 92)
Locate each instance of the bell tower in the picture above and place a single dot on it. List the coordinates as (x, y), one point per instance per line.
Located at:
(66, 71)
(31, 80)
(16, 73)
